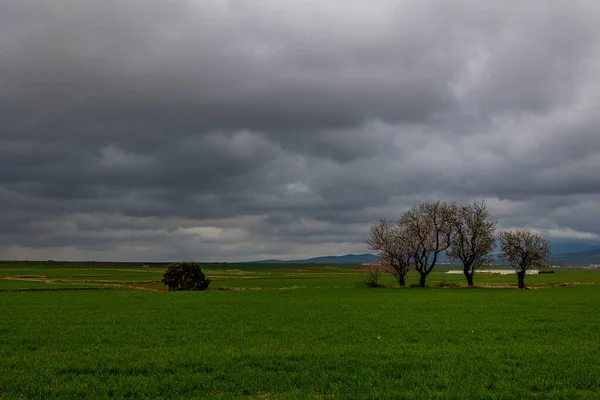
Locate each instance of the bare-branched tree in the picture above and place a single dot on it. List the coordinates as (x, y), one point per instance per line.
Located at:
(523, 249)
(472, 238)
(429, 226)
(392, 245)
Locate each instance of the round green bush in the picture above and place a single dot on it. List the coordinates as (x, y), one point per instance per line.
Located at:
(185, 276)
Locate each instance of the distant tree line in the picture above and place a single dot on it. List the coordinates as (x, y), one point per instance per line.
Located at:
(463, 232)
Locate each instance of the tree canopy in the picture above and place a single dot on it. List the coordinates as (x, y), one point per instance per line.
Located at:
(472, 240)
(185, 276)
(523, 249)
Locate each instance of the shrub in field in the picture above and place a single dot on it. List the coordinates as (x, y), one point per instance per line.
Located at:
(372, 275)
(185, 276)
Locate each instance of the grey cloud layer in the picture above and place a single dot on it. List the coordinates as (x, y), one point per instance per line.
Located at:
(241, 130)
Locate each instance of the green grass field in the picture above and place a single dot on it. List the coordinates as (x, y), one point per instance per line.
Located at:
(287, 332)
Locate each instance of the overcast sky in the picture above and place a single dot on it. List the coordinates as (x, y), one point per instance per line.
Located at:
(150, 130)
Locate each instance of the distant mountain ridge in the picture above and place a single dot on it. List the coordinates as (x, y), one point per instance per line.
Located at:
(563, 253)
(345, 259)
(571, 247)
(578, 258)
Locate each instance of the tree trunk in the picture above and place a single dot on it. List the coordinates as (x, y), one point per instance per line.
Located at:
(469, 277)
(401, 281)
(521, 278)
(422, 280)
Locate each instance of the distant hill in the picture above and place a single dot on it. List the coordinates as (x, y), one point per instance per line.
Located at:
(571, 247)
(571, 253)
(578, 258)
(345, 259)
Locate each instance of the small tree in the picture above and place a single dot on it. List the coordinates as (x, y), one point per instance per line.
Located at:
(522, 249)
(393, 247)
(472, 238)
(428, 228)
(185, 276)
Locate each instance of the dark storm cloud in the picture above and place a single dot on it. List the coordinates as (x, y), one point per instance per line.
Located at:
(241, 130)
(208, 66)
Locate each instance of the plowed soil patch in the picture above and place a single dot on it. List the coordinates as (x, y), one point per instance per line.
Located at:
(240, 289)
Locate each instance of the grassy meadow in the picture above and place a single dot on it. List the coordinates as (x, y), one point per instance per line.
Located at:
(289, 331)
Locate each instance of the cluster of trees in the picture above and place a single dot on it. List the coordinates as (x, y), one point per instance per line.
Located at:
(463, 232)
